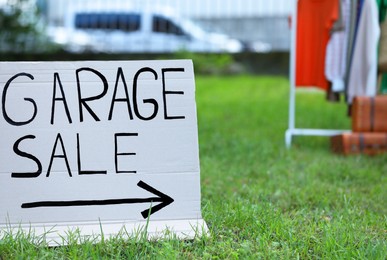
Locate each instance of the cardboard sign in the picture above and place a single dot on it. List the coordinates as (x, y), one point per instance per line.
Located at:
(92, 144)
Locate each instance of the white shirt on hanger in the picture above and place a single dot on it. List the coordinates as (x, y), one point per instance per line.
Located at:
(336, 54)
(363, 71)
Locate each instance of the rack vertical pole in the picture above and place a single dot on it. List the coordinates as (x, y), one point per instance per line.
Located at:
(292, 76)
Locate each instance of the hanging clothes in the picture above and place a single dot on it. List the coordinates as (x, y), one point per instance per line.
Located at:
(353, 19)
(382, 63)
(338, 25)
(336, 53)
(314, 23)
(382, 4)
(362, 77)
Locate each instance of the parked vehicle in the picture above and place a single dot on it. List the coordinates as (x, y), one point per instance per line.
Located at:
(119, 31)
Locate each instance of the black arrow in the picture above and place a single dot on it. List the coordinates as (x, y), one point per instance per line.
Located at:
(161, 197)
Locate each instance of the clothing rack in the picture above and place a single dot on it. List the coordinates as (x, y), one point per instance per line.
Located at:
(292, 130)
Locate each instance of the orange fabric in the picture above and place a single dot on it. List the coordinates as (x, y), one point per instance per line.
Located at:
(314, 21)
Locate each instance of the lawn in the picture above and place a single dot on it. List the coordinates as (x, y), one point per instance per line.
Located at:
(259, 199)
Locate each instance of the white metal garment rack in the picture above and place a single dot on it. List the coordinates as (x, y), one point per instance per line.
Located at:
(292, 130)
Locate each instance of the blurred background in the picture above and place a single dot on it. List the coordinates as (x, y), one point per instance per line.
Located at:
(245, 36)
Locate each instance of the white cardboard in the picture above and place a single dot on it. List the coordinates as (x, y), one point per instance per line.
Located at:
(103, 148)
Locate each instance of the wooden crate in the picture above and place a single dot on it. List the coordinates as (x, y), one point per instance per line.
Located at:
(369, 114)
(359, 143)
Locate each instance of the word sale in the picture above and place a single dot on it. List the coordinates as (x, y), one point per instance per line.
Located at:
(59, 152)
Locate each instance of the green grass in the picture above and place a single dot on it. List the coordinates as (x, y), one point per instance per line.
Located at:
(259, 199)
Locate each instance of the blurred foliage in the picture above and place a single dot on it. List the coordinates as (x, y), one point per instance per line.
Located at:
(22, 28)
(212, 64)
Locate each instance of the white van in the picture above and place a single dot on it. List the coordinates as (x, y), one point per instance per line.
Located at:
(120, 31)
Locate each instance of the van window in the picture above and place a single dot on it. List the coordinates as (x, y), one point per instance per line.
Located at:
(128, 22)
(164, 25)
